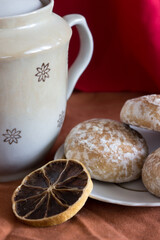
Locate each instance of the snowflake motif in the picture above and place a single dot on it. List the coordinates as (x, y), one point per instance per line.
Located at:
(61, 119)
(42, 72)
(12, 136)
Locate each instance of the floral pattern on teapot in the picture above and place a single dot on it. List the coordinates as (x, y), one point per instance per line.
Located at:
(42, 72)
(12, 136)
(61, 119)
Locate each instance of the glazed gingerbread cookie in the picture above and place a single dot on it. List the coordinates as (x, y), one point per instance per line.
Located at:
(110, 150)
(151, 173)
(143, 112)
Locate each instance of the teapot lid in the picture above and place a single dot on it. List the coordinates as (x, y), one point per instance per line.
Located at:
(10, 8)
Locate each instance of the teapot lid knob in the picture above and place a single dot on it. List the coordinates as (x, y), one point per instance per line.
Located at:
(16, 7)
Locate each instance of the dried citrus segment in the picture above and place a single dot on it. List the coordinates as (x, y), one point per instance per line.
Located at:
(52, 194)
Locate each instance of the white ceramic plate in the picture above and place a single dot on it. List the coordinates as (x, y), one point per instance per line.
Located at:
(129, 194)
(152, 137)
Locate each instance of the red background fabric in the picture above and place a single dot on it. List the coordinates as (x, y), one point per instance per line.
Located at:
(126, 43)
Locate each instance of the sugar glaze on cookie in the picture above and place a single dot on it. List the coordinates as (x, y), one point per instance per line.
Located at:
(110, 150)
(143, 112)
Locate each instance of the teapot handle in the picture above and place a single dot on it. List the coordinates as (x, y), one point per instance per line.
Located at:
(85, 53)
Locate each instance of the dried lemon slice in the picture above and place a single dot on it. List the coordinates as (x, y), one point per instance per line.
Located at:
(52, 194)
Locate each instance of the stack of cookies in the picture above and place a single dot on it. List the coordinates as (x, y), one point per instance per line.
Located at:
(113, 151)
(144, 112)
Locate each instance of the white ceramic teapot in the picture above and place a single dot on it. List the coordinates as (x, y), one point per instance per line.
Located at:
(34, 80)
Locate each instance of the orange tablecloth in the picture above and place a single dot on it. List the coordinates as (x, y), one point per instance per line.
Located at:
(96, 220)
